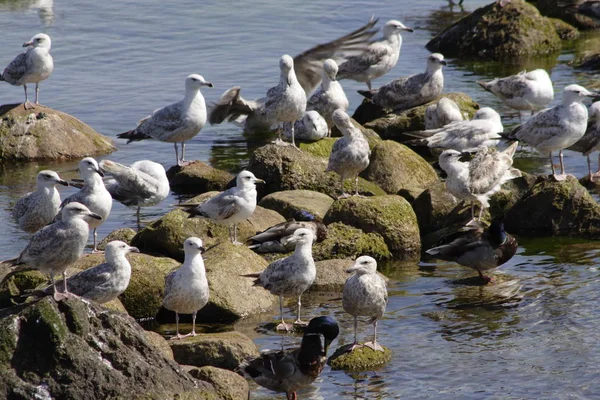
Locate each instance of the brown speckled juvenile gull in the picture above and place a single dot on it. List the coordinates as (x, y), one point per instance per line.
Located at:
(442, 113)
(411, 91)
(32, 66)
(330, 96)
(37, 209)
(365, 295)
(590, 142)
(186, 289)
(177, 122)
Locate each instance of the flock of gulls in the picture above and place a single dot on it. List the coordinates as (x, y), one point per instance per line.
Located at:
(306, 104)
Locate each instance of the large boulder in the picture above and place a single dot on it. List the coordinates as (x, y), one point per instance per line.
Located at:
(589, 60)
(332, 275)
(228, 384)
(222, 349)
(286, 168)
(579, 13)
(390, 216)
(79, 350)
(122, 234)
(345, 241)
(399, 170)
(433, 206)
(564, 30)
(166, 235)
(288, 202)
(46, 134)
(555, 208)
(393, 125)
(198, 177)
(496, 32)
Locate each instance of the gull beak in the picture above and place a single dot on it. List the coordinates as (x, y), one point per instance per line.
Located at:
(443, 62)
(209, 84)
(27, 44)
(351, 269)
(259, 181)
(202, 249)
(99, 172)
(407, 29)
(95, 216)
(133, 249)
(62, 182)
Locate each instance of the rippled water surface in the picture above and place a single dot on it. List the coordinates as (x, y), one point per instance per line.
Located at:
(533, 334)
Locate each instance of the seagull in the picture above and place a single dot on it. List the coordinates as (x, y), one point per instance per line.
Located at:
(56, 246)
(479, 249)
(93, 195)
(229, 207)
(104, 282)
(290, 276)
(590, 142)
(330, 96)
(288, 371)
(350, 154)
(556, 128)
(525, 91)
(37, 209)
(32, 66)
(484, 129)
(310, 128)
(365, 294)
(142, 184)
(186, 289)
(378, 59)
(442, 113)
(478, 180)
(308, 66)
(177, 122)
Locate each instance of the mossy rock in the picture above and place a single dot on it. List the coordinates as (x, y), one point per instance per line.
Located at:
(332, 275)
(433, 206)
(555, 208)
(46, 134)
(198, 177)
(360, 359)
(390, 216)
(496, 32)
(320, 148)
(345, 241)
(589, 60)
(399, 170)
(510, 193)
(286, 168)
(570, 12)
(122, 234)
(160, 343)
(564, 30)
(228, 384)
(288, 202)
(393, 125)
(222, 350)
(166, 235)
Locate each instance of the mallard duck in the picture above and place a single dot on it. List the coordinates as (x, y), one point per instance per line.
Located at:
(480, 249)
(288, 371)
(276, 239)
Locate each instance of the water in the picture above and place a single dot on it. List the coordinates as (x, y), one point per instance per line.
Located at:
(532, 335)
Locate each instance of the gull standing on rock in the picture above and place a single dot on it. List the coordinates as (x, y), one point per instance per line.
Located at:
(411, 91)
(93, 195)
(186, 289)
(442, 113)
(378, 59)
(311, 127)
(286, 102)
(483, 130)
(526, 91)
(350, 154)
(478, 180)
(56, 246)
(177, 122)
(142, 184)
(229, 207)
(556, 128)
(32, 66)
(590, 142)
(290, 276)
(365, 294)
(37, 209)
(104, 282)
(330, 96)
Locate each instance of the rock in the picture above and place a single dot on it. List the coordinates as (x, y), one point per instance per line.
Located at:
(222, 350)
(320, 148)
(122, 234)
(564, 30)
(332, 275)
(288, 202)
(46, 134)
(555, 208)
(390, 216)
(495, 32)
(229, 385)
(198, 177)
(433, 206)
(345, 241)
(160, 343)
(510, 193)
(568, 11)
(284, 168)
(361, 359)
(393, 125)
(589, 60)
(79, 350)
(166, 235)
(399, 170)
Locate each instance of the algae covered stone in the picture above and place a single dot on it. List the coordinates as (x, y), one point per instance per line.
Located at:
(332, 275)
(344, 241)
(228, 384)
(122, 234)
(360, 359)
(288, 202)
(198, 177)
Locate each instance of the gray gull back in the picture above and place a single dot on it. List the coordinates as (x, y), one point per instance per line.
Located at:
(330, 96)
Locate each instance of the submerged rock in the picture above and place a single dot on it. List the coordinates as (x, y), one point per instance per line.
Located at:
(228, 384)
(345, 241)
(360, 359)
(496, 32)
(198, 177)
(589, 60)
(564, 30)
(46, 134)
(288, 202)
(79, 350)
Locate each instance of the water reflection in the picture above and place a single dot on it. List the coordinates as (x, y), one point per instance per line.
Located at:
(44, 8)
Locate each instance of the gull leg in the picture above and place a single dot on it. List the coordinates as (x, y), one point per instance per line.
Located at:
(354, 345)
(293, 142)
(67, 294)
(279, 141)
(182, 162)
(177, 154)
(596, 174)
(356, 187)
(283, 326)
(369, 84)
(57, 296)
(37, 93)
(344, 195)
(194, 324)
(95, 250)
(562, 176)
(235, 241)
(374, 345)
(298, 320)
(27, 105)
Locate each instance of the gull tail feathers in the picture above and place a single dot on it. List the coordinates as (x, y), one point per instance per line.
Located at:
(486, 85)
(133, 136)
(113, 168)
(256, 277)
(367, 93)
(511, 150)
(229, 107)
(192, 210)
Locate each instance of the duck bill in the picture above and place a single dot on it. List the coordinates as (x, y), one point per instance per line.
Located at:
(327, 343)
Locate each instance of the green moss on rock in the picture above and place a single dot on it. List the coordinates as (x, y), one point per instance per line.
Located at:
(228, 384)
(288, 202)
(564, 30)
(360, 359)
(122, 234)
(198, 177)
(320, 148)
(345, 241)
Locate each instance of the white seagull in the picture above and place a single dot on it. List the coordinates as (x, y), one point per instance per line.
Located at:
(330, 96)
(442, 113)
(590, 142)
